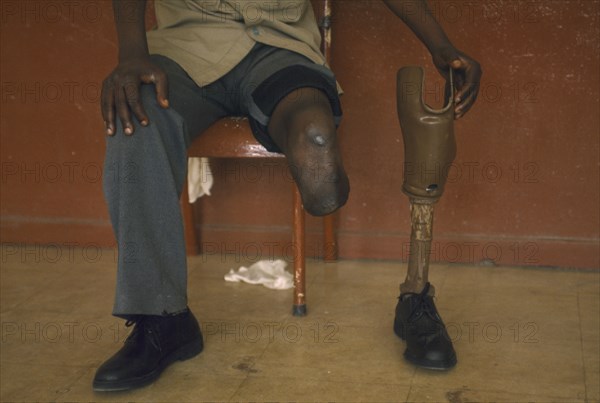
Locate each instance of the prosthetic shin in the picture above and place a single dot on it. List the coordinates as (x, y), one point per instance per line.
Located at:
(429, 149)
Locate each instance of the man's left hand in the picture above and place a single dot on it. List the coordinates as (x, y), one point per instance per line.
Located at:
(466, 73)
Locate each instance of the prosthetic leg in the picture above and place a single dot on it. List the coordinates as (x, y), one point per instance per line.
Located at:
(429, 149)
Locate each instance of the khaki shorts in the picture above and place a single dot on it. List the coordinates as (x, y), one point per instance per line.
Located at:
(253, 89)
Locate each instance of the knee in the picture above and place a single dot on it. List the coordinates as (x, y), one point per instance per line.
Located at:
(127, 147)
(320, 132)
(315, 126)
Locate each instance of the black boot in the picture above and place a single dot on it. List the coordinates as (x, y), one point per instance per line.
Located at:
(154, 343)
(417, 321)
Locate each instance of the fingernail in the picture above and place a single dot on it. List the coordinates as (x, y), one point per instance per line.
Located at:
(128, 130)
(165, 103)
(109, 131)
(144, 123)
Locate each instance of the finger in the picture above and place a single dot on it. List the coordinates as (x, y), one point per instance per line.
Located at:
(462, 110)
(466, 104)
(459, 85)
(132, 95)
(463, 90)
(123, 111)
(467, 92)
(107, 107)
(462, 85)
(161, 83)
(469, 85)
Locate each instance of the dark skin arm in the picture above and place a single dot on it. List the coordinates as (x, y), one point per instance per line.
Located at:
(120, 90)
(466, 71)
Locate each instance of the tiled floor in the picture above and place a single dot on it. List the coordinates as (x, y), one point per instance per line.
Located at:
(520, 334)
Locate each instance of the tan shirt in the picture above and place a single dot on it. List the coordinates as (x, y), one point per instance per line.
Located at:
(208, 38)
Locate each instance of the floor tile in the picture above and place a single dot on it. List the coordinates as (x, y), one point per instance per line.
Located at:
(36, 382)
(462, 394)
(337, 353)
(262, 389)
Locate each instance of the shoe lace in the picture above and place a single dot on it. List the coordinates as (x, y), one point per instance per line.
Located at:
(423, 305)
(144, 325)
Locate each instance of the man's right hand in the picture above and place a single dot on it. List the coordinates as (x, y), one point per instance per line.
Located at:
(121, 92)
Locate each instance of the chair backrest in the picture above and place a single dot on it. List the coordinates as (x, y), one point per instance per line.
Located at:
(324, 13)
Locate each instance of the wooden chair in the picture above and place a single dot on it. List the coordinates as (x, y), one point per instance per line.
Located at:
(232, 138)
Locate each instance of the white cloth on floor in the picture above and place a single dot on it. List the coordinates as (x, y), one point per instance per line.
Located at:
(270, 273)
(200, 179)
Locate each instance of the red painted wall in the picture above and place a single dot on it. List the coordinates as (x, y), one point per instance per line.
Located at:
(524, 189)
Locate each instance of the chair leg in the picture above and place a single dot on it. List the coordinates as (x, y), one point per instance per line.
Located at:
(187, 211)
(330, 253)
(299, 308)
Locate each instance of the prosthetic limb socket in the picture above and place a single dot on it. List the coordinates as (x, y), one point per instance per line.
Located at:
(429, 149)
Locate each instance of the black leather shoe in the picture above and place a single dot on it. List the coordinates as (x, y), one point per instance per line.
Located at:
(417, 321)
(155, 343)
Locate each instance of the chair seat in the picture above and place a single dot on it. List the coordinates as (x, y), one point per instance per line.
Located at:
(229, 137)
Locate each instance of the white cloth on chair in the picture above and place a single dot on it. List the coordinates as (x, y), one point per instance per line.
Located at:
(200, 179)
(270, 273)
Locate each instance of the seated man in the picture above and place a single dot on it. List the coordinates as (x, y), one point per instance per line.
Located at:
(207, 60)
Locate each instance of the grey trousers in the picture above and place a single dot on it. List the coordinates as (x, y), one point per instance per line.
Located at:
(144, 176)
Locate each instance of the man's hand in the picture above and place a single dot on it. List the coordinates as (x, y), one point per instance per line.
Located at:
(466, 74)
(121, 92)
(466, 71)
(121, 89)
